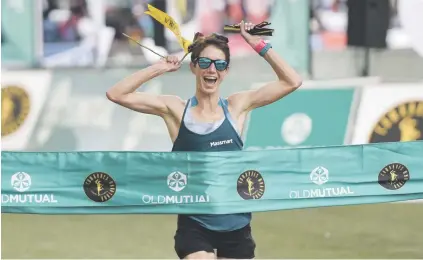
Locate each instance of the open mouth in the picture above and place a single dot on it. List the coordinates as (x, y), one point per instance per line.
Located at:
(210, 80)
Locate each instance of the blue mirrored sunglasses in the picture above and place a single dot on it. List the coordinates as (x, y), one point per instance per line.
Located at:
(204, 63)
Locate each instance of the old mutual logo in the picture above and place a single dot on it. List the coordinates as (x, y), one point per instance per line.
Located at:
(176, 181)
(22, 182)
(320, 176)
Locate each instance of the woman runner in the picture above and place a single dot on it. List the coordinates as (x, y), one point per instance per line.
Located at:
(208, 122)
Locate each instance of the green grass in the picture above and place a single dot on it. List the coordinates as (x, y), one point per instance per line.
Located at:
(367, 231)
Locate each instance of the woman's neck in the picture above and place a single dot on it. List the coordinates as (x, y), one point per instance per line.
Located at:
(207, 103)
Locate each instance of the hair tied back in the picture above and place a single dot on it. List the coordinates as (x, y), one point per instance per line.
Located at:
(197, 38)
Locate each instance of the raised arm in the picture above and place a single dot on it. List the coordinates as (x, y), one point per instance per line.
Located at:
(287, 82)
(124, 92)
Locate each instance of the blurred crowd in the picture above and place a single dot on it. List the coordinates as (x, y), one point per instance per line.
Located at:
(329, 21)
(67, 22)
(63, 20)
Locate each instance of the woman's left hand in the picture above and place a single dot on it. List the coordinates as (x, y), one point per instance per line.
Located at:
(252, 40)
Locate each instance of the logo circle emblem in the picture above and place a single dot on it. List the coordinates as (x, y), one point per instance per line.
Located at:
(15, 106)
(177, 181)
(99, 187)
(21, 181)
(393, 176)
(296, 128)
(250, 185)
(319, 175)
(402, 123)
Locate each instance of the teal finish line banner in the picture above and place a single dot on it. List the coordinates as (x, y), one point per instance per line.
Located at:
(210, 183)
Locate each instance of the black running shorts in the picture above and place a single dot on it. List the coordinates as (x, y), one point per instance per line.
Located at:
(191, 237)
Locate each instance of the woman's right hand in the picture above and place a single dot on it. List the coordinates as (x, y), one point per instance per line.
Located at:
(170, 63)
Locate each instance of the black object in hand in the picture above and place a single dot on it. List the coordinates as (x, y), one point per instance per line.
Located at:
(257, 30)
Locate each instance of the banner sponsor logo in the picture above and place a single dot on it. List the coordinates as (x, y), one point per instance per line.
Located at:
(393, 176)
(23, 97)
(15, 105)
(250, 185)
(320, 176)
(174, 199)
(321, 193)
(176, 181)
(22, 182)
(390, 113)
(403, 123)
(99, 187)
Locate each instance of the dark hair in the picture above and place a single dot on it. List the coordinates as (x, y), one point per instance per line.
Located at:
(201, 42)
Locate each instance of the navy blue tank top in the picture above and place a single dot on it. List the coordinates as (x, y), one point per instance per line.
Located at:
(211, 137)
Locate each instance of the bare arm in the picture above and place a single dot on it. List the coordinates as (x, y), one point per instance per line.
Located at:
(124, 92)
(288, 81)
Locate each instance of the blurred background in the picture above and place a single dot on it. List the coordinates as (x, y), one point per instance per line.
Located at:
(362, 62)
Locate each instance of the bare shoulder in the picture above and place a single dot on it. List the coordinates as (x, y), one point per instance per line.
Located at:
(237, 101)
(174, 104)
(175, 110)
(172, 101)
